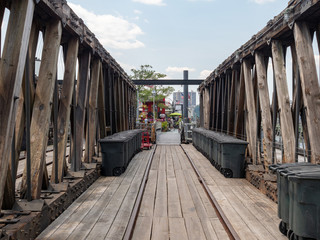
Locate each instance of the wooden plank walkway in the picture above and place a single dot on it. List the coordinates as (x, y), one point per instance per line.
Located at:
(252, 214)
(103, 211)
(174, 204)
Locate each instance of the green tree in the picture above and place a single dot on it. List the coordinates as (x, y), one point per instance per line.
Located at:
(145, 92)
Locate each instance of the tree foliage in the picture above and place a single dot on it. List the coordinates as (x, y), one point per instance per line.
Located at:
(145, 92)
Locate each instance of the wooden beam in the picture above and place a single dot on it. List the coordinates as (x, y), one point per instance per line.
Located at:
(65, 106)
(11, 72)
(93, 98)
(218, 122)
(262, 67)
(81, 97)
(42, 109)
(250, 103)
(231, 107)
(286, 122)
(310, 86)
(102, 95)
(240, 106)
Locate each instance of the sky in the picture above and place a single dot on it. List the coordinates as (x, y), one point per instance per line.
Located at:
(175, 35)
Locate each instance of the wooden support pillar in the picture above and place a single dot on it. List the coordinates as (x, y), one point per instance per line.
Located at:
(206, 108)
(11, 72)
(231, 107)
(65, 106)
(310, 86)
(286, 122)
(102, 96)
(81, 97)
(92, 105)
(250, 103)
(201, 108)
(240, 106)
(213, 104)
(261, 67)
(41, 112)
(217, 127)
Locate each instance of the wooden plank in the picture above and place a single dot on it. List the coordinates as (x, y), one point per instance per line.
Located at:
(174, 207)
(119, 225)
(147, 204)
(92, 121)
(42, 109)
(286, 122)
(250, 102)
(309, 84)
(160, 228)
(177, 229)
(65, 106)
(142, 229)
(102, 226)
(11, 71)
(81, 96)
(261, 67)
(161, 203)
(194, 228)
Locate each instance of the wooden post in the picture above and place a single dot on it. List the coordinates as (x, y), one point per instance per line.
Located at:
(231, 108)
(217, 127)
(214, 100)
(101, 104)
(261, 67)
(286, 122)
(240, 106)
(201, 108)
(41, 108)
(81, 97)
(93, 98)
(11, 72)
(310, 86)
(65, 106)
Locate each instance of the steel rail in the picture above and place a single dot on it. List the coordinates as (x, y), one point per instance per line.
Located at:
(132, 221)
(222, 217)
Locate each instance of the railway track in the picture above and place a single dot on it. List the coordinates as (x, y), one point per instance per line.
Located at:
(221, 215)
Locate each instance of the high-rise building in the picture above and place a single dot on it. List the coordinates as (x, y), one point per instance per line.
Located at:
(178, 98)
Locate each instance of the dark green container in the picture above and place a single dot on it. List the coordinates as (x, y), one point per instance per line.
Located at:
(115, 155)
(304, 191)
(232, 156)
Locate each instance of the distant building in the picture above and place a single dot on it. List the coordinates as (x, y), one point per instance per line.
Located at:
(192, 98)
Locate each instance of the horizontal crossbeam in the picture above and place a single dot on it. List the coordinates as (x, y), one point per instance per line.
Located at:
(168, 82)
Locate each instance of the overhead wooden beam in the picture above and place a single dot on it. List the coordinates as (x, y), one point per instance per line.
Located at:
(286, 122)
(93, 98)
(41, 112)
(262, 67)
(11, 72)
(310, 86)
(65, 106)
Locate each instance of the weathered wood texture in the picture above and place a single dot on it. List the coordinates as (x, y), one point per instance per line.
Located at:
(65, 106)
(42, 108)
(241, 105)
(310, 86)
(11, 72)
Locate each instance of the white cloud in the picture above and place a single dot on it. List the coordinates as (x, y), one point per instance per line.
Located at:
(179, 69)
(111, 31)
(204, 74)
(151, 2)
(137, 11)
(262, 1)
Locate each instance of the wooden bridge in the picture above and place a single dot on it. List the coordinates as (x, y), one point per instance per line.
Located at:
(51, 188)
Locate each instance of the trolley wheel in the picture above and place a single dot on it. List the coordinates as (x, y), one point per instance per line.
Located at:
(117, 171)
(228, 173)
(283, 228)
(294, 236)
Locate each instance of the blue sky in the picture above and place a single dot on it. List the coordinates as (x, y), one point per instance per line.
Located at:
(175, 35)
